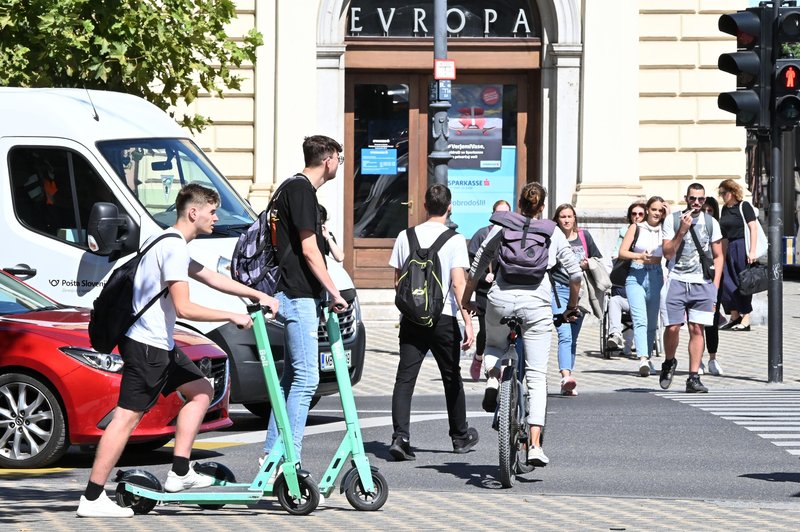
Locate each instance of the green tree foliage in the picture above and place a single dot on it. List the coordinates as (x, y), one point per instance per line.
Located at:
(161, 50)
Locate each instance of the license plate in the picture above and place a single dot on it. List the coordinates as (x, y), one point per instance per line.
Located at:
(326, 360)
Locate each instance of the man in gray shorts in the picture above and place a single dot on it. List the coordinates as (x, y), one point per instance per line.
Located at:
(691, 290)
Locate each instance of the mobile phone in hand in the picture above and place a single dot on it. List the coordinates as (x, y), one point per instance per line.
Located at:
(687, 210)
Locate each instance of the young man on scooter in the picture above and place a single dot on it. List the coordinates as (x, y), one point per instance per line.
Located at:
(152, 363)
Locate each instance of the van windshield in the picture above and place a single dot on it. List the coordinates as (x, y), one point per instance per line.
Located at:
(155, 170)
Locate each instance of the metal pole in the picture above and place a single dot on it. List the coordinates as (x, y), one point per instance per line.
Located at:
(440, 153)
(774, 236)
(775, 290)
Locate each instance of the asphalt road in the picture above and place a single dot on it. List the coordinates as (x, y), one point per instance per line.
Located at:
(621, 444)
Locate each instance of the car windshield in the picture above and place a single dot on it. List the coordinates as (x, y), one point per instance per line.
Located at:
(155, 170)
(17, 298)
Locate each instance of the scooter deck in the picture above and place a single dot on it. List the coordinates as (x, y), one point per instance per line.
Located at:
(210, 495)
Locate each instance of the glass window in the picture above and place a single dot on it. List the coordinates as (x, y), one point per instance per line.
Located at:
(156, 169)
(54, 189)
(381, 160)
(16, 298)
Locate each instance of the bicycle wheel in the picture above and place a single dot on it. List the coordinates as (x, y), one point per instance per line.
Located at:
(507, 429)
(523, 432)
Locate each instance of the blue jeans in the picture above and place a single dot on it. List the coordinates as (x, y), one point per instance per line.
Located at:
(643, 285)
(567, 332)
(300, 365)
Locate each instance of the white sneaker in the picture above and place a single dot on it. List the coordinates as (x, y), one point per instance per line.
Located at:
(653, 370)
(702, 369)
(102, 507)
(192, 479)
(644, 367)
(537, 457)
(615, 341)
(714, 368)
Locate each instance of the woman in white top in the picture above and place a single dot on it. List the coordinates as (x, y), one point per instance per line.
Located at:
(642, 246)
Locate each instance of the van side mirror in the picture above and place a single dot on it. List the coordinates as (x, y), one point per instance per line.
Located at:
(109, 233)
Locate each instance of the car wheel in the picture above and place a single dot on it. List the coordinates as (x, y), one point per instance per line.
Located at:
(32, 426)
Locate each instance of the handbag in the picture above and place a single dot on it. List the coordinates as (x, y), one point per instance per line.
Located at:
(599, 274)
(753, 279)
(761, 243)
(621, 267)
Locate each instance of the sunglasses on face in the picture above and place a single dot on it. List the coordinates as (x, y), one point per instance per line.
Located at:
(637, 213)
(698, 199)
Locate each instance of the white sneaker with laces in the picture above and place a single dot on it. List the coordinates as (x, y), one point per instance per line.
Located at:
(537, 457)
(102, 507)
(192, 479)
(615, 341)
(714, 368)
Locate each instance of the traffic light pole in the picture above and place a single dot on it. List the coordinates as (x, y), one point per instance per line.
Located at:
(775, 237)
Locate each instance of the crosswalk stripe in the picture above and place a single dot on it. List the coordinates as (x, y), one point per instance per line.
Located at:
(773, 415)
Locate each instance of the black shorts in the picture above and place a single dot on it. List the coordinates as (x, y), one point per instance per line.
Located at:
(149, 371)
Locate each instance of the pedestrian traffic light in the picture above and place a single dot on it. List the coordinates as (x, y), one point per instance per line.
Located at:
(751, 64)
(786, 81)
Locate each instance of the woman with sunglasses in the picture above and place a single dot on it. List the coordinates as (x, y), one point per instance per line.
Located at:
(734, 220)
(642, 246)
(618, 303)
(583, 247)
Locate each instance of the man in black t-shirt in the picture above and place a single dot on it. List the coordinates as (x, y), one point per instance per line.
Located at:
(304, 276)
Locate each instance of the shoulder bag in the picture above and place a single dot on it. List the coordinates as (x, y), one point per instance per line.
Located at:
(621, 267)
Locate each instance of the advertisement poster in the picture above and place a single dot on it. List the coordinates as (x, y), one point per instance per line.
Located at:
(476, 126)
(475, 191)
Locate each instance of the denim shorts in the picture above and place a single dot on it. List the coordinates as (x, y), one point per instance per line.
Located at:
(692, 300)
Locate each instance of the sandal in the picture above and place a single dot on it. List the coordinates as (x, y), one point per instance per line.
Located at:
(740, 327)
(731, 324)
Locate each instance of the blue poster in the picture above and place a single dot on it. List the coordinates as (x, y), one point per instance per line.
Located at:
(379, 161)
(476, 190)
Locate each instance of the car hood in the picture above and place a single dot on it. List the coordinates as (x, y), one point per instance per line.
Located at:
(69, 326)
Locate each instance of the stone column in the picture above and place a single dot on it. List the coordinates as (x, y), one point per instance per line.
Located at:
(608, 175)
(264, 128)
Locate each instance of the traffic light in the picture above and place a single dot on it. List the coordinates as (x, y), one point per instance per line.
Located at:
(751, 64)
(786, 83)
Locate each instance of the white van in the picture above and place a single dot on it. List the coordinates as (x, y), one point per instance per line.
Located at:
(77, 162)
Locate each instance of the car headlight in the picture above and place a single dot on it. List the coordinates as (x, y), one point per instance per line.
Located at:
(224, 266)
(103, 361)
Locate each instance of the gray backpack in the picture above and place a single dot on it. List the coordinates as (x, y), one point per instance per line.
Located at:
(524, 247)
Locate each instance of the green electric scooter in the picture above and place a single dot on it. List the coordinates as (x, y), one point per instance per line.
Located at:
(363, 485)
(296, 491)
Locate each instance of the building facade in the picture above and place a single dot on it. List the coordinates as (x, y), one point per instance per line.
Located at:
(600, 104)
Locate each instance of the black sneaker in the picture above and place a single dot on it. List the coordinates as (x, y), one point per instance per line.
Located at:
(463, 445)
(667, 372)
(401, 450)
(693, 385)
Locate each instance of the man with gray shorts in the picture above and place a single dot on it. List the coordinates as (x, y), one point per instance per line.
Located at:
(691, 290)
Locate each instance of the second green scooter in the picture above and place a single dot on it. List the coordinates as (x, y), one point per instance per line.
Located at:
(363, 485)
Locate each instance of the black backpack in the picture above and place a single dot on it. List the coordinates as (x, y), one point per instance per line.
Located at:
(420, 294)
(112, 313)
(255, 257)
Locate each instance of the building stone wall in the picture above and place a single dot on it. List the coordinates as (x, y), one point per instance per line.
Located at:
(683, 135)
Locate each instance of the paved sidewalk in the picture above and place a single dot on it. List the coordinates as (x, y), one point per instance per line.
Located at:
(743, 356)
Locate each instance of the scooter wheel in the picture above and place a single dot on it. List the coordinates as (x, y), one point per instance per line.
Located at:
(126, 499)
(220, 473)
(362, 500)
(309, 496)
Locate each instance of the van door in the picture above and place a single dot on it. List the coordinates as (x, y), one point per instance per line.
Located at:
(51, 185)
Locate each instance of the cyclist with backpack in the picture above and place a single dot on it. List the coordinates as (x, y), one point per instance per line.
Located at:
(526, 248)
(430, 262)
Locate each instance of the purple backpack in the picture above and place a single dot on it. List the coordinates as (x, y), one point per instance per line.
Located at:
(524, 247)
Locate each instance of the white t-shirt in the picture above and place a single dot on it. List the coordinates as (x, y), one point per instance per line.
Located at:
(452, 255)
(166, 261)
(688, 267)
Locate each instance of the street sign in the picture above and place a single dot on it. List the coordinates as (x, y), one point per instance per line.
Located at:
(444, 69)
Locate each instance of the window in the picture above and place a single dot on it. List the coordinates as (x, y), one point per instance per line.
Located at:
(53, 190)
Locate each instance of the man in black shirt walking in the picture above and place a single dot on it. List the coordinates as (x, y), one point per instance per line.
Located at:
(304, 276)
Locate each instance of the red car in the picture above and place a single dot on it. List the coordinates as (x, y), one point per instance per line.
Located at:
(55, 391)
